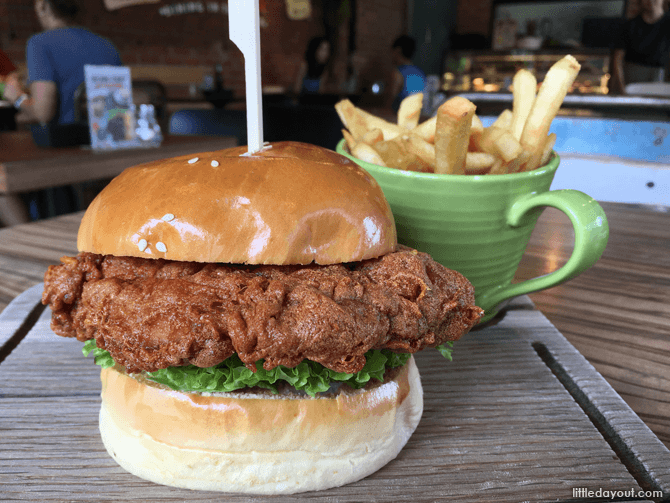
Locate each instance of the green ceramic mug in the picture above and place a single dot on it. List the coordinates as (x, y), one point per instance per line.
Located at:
(480, 225)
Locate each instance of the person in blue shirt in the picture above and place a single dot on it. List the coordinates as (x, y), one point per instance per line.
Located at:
(407, 78)
(55, 60)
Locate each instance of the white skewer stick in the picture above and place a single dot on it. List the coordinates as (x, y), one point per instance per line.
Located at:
(244, 28)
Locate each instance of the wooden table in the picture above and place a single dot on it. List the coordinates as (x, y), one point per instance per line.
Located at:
(483, 437)
(25, 167)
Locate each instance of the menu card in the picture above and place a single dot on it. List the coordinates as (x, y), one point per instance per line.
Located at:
(111, 113)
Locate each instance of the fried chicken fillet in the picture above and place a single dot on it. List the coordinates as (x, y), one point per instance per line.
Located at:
(152, 314)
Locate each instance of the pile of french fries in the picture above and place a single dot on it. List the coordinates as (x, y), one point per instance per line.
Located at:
(454, 141)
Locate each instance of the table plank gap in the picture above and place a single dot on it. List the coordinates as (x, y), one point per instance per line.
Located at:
(618, 444)
(19, 319)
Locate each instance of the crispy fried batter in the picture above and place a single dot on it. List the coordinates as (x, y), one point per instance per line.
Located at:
(151, 314)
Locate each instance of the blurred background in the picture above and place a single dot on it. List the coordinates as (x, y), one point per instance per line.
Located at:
(183, 65)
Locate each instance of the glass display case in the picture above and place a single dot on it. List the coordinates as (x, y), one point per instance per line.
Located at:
(493, 71)
(485, 78)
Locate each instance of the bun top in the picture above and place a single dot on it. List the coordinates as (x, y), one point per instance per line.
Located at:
(291, 203)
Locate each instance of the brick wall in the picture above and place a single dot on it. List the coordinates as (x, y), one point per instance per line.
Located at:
(144, 36)
(379, 23)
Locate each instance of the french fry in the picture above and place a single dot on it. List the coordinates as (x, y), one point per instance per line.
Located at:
(518, 164)
(421, 148)
(389, 130)
(391, 152)
(524, 87)
(410, 111)
(477, 126)
(452, 135)
(395, 153)
(455, 141)
(476, 162)
(548, 148)
(506, 146)
(476, 132)
(420, 165)
(351, 118)
(499, 167)
(504, 120)
(373, 136)
(549, 98)
(426, 130)
(366, 153)
(351, 142)
(499, 142)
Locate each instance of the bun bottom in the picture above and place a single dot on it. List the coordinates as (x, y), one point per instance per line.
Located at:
(257, 443)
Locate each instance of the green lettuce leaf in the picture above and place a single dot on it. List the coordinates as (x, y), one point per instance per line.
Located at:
(231, 374)
(100, 356)
(445, 349)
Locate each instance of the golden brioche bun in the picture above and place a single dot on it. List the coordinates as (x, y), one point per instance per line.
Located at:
(257, 443)
(291, 203)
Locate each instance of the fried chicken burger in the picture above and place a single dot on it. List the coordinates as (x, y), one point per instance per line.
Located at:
(255, 319)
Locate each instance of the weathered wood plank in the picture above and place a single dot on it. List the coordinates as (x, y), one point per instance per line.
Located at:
(24, 168)
(617, 313)
(447, 458)
(27, 250)
(422, 472)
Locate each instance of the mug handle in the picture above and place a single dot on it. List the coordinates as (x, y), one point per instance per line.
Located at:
(591, 232)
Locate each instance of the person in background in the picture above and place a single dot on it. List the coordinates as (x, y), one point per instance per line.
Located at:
(55, 60)
(313, 71)
(642, 46)
(407, 78)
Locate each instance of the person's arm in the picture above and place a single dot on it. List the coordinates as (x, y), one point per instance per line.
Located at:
(44, 95)
(43, 102)
(617, 75)
(40, 104)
